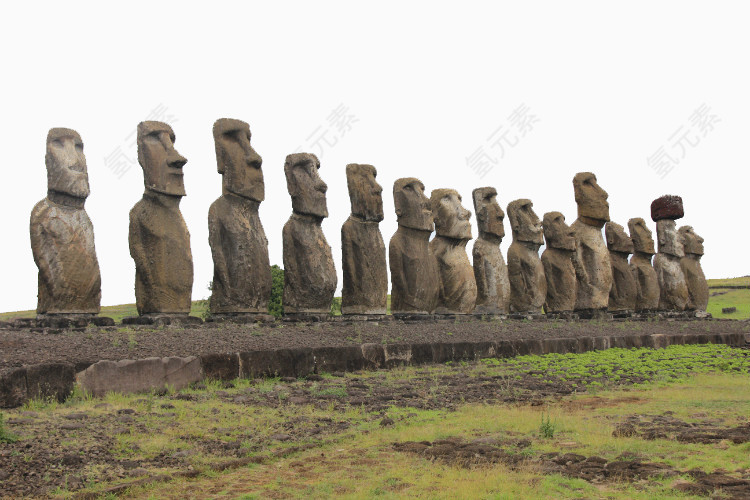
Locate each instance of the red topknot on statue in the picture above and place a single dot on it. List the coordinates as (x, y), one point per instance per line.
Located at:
(667, 207)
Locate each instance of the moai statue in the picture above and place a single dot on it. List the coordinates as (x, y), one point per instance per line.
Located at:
(674, 295)
(309, 273)
(528, 286)
(458, 288)
(159, 239)
(647, 284)
(415, 279)
(242, 273)
(559, 271)
(62, 236)
(691, 268)
(365, 289)
(624, 293)
(592, 262)
(490, 271)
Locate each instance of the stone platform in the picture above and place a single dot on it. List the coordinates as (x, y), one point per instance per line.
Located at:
(57, 379)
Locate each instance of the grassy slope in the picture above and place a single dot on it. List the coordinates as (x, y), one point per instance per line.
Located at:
(737, 298)
(114, 312)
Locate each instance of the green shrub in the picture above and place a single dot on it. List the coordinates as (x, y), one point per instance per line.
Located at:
(336, 306)
(547, 428)
(275, 305)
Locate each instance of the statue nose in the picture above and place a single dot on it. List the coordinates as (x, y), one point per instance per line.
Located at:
(253, 159)
(176, 160)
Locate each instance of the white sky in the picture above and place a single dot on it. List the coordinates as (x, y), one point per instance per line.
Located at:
(426, 83)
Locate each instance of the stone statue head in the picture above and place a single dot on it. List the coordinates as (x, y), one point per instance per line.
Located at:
(524, 222)
(590, 197)
(670, 241)
(160, 161)
(617, 239)
(489, 214)
(237, 161)
(365, 194)
(66, 164)
(557, 233)
(413, 208)
(643, 241)
(452, 220)
(307, 189)
(691, 241)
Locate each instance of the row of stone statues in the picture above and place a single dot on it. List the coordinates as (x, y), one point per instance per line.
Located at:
(577, 273)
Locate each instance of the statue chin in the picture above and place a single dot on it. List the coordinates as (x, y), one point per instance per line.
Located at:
(78, 188)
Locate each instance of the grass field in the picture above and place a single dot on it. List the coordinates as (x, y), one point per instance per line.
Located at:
(728, 298)
(315, 439)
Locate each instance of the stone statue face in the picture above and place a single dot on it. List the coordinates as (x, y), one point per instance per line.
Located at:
(643, 240)
(413, 208)
(237, 161)
(692, 243)
(66, 164)
(307, 189)
(452, 220)
(590, 197)
(557, 233)
(161, 163)
(617, 239)
(489, 214)
(524, 222)
(670, 241)
(365, 194)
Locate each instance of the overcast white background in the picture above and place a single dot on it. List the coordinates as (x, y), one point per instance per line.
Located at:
(427, 83)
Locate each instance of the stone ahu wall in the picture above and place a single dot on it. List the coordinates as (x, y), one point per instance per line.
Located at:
(581, 274)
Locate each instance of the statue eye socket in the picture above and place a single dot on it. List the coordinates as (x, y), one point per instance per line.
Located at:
(79, 146)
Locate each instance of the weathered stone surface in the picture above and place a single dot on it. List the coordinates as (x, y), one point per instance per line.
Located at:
(13, 388)
(674, 295)
(624, 293)
(557, 260)
(647, 283)
(221, 366)
(691, 268)
(458, 287)
(159, 319)
(50, 380)
(591, 260)
(365, 287)
(159, 239)
(62, 236)
(667, 207)
(242, 273)
(528, 285)
(129, 376)
(490, 271)
(415, 279)
(309, 273)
